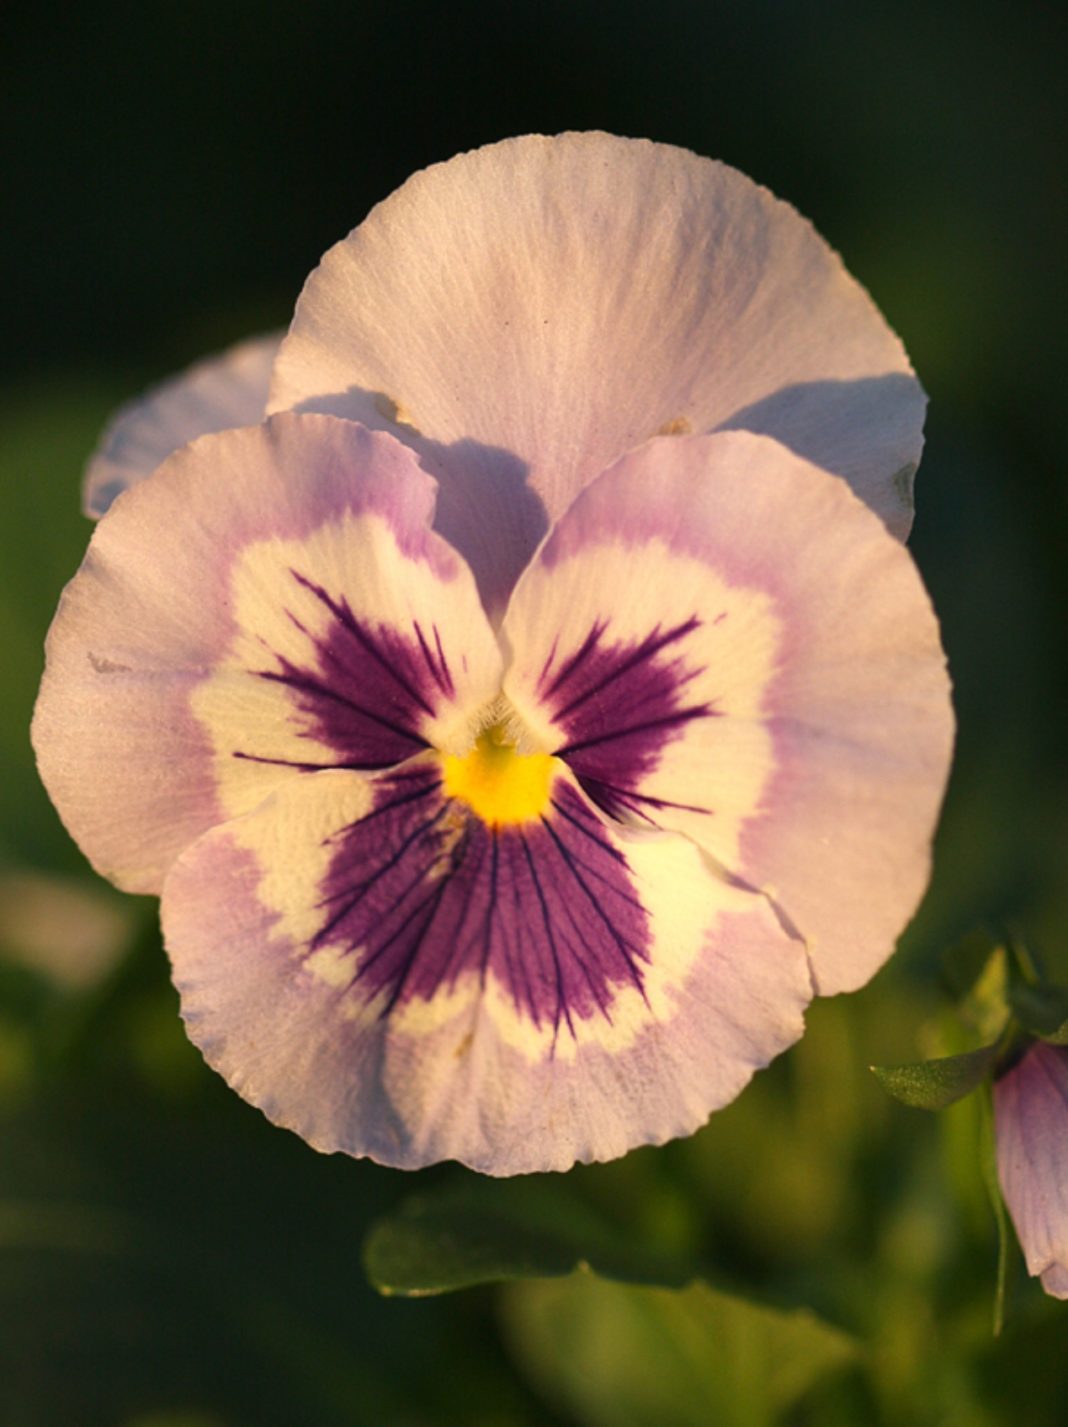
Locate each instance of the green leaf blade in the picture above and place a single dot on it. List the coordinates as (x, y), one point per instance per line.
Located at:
(934, 1084)
(623, 1355)
(496, 1233)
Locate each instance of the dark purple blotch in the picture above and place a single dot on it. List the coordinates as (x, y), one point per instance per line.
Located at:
(619, 703)
(367, 690)
(421, 891)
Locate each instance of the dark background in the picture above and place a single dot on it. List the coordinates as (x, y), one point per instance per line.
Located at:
(170, 174)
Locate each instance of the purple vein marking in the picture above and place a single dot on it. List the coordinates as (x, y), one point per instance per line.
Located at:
(668, 721)
(619, 704)
(646, 651)
(435, 660)
(491, 907)
(302, 767)
(342, 612)
(571, 665)
(365, 689)
(424, 790)
(550, 938)
(636, 803)
(353, 896)
(575, 822)
(573, 864)
(421, 891)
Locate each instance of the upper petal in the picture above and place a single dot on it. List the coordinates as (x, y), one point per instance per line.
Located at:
(274, 602)
(216, 394)
(530, 311)
(1031, 1128)
(720, 638)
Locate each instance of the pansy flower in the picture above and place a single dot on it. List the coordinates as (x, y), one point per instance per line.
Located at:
(525, 720)
(1031, 1130)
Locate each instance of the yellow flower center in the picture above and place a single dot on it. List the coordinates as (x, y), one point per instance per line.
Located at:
(500, 784)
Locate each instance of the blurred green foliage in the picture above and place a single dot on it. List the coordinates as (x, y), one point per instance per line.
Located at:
(640, 1357)
(167, 1258)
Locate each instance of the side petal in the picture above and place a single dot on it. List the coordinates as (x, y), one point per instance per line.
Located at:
(273, 603)
(385, 974)
(217, 394)
(528, 312)
(1031, 1128)
(720, 639)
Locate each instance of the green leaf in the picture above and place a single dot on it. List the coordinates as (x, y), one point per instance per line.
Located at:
(656, 1346)
(493, 1231)
(1042, 1011)
(934, 1084)
(622, 1355)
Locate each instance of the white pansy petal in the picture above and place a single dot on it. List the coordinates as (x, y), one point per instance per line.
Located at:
(382, 972)
(273, 604)
(719, 638)
(528, 312)
(216, 394)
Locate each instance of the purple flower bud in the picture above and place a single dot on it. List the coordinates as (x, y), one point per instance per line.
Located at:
(1031, 1123)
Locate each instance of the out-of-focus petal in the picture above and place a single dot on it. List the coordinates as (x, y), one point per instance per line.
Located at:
(274, 603)
(1055, 1280)
(528, 312)
(216, 394)
(381, 971)
(72, 932)
(1031, 1127)
(719, 638)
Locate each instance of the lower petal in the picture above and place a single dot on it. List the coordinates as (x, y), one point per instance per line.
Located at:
(382, 972)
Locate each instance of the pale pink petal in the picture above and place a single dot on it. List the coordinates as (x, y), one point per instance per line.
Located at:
(216, 394)
(273, 603)
(1031, 1126)
(1055, 1280)
(720, 639)
(526, 313)
(379, 970)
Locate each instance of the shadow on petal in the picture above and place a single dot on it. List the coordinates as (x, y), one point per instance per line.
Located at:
(831, 424)
(486, 507)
